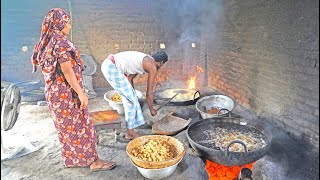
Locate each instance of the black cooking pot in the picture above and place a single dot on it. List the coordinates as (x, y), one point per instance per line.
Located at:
(184, 98)
(196, 138)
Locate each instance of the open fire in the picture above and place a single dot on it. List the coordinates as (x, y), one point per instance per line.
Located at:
(191, 82)
(221, 172)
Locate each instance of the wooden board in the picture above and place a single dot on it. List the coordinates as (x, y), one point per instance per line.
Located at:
(105, 117)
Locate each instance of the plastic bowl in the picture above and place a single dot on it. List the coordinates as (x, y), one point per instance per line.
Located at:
(118, 106)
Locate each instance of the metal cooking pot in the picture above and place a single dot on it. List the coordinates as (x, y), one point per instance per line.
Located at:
(225, 157)
(222, 103)
(184, 98)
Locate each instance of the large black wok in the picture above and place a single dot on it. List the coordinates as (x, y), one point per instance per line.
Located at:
(225, 157)
(184, 98)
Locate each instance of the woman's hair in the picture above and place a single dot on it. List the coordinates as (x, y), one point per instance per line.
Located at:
(160, 56)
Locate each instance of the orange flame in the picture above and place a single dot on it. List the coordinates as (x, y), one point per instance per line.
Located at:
(217, 171)
(199, 69)
(191, 82)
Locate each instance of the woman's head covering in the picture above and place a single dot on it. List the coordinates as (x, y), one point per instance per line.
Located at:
(52, 24)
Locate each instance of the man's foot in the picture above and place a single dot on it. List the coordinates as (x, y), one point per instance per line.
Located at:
(101, 165)
(131, 134)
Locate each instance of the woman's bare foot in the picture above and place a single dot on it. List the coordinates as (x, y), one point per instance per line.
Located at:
(131, 134)
(101, 165)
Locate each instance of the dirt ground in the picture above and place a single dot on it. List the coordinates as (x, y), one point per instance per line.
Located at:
(35, 125)
(283, 161)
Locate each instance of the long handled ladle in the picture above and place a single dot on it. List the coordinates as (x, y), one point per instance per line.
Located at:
(167, 102)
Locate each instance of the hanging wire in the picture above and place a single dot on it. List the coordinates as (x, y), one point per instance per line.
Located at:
(70, 18)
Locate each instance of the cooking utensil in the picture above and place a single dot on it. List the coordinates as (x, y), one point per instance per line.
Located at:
(118, 106)
(167, 102)
(157, 173)
(170, 125)
(185, 97)
(226, 157)
(221, 103)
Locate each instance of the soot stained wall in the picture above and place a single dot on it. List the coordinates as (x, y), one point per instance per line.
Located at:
(267, 59)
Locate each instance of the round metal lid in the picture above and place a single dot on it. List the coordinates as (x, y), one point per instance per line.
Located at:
(90, 66)
(10, 107)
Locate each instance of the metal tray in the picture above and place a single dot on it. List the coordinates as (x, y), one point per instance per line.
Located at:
(170, 125)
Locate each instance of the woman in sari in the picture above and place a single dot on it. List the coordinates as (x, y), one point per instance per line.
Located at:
(62, 69)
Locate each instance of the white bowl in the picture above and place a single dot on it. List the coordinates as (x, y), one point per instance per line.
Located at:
(157, 173)
(118, 106)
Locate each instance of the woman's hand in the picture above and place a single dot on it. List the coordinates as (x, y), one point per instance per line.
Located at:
(84, 100)
(153, 112)
(68, 72)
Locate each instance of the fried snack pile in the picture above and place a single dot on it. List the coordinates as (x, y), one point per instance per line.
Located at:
(116, 97)
(154, 150)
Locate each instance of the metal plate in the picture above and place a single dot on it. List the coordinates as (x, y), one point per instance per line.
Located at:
(170, 125)
(90, 66)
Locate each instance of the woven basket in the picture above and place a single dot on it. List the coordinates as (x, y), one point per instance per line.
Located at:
(178, 150)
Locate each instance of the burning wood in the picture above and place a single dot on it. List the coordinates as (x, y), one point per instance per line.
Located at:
(199, 69)
(217, 171)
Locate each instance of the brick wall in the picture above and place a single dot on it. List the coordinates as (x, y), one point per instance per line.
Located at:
(20, 26)
(100, 27)
(104, 27)
(263, 54)
(267, 59)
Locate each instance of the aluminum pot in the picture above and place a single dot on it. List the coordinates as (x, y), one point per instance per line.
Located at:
(222, 103)
(157, 173)
(225, 157)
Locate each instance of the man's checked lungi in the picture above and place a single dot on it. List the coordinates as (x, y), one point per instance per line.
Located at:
(132, 108)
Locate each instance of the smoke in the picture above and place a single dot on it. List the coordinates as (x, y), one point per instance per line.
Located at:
(213, 16)
(191, 19)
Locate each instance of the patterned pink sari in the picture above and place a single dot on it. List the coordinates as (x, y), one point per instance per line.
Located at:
(74, 126)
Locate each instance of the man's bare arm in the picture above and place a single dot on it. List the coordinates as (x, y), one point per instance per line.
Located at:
(151, 68)
(130, 78)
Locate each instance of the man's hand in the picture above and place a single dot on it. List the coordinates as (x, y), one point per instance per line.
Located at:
(153, 112)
